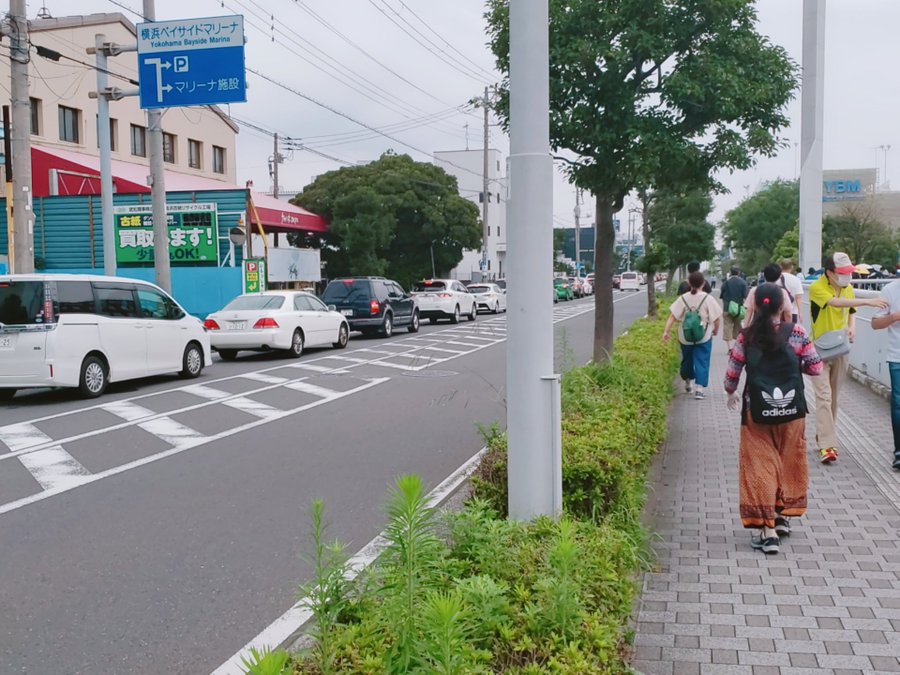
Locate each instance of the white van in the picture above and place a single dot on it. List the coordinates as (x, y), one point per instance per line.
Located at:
(85, 331)
(631, 281)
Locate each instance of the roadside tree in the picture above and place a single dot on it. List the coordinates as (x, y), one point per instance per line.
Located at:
(755, 226)
(388, 216)
(857, 229)
(679, 222)
(650, 94)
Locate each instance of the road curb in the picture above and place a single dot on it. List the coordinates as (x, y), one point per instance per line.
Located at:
(870, 382)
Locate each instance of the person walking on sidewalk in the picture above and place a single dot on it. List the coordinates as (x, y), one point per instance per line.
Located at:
(773, 469)
(833, 306)
(771, 275)
(685, 286)
(698, 318)
(889, 317)
(734, 293)
(794, 286)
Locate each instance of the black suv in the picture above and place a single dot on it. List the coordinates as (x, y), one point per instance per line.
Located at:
(373, 304)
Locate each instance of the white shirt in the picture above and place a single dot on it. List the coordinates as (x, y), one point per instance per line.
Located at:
(795, 288)
(891, 293)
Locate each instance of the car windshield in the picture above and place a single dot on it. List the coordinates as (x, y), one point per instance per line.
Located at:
(346, 290)
(430, 286)
(479, 290)
(21, 302)
(255, 302)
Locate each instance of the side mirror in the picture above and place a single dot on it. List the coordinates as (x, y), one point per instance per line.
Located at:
(332, 308)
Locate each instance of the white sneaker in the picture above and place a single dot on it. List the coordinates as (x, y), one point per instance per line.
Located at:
(688, 386)
(698, 394)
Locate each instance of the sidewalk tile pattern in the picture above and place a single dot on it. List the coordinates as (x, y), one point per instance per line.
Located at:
(829, 602)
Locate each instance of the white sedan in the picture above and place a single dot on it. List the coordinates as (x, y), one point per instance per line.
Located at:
(275, 320)
(444, 299)
(489, 297)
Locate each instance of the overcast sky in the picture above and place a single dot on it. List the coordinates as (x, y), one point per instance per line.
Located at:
(359, 61)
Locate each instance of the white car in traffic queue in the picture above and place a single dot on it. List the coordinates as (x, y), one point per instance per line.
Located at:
(85, 331)
(444, 299)
(489, 297)
(287, 321)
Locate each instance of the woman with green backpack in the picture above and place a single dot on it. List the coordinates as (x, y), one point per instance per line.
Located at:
(698, 316)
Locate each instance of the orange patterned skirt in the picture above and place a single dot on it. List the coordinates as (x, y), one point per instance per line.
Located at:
(773, 471)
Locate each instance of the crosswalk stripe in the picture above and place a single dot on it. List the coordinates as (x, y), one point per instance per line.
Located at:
(21, 436)
(319, 369)
(205, 392)
(462, 344)
(174, 433)
(127, 411)
(54, 468)
(263, 377)
(398, 366)
(248, 405)
(315, 390)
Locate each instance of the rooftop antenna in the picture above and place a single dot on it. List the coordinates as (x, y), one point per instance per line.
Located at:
(43, 12)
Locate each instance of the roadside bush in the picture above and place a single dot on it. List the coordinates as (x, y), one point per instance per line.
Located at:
(477, 593)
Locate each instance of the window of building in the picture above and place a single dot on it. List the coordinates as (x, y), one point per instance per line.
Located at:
(138, 140)
(195, 152)
(218, 159)
(36, 116)
(169, 148)
(113, 133)
(69, 124)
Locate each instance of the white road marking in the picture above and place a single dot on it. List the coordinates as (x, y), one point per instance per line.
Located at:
(313, 389)
(388, 364)
(462, 344)
(248, 405)
(440, 349)
(128, 411)
(203, 391)
(25, 501)
(319, 369)
(54, 468)
(281, 631)
(262, 377)
(21, 436)
(174, 433)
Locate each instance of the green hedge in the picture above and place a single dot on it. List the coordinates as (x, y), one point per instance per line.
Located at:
(480, 594)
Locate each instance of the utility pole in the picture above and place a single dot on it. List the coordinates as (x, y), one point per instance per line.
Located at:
(485, 204)
(535, 464)
(812, 99)
(577, 232)
(103, 137)
(21, 248)
(277, 158)
(158, 186)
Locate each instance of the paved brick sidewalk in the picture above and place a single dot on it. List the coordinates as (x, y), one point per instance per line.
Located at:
(829, 602)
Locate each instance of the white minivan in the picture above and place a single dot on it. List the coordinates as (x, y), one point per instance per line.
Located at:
(85, 331)
(631, 281)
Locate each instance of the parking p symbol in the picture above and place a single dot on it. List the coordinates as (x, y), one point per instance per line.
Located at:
(181, 64)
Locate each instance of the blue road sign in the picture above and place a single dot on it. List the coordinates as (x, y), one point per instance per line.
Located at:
(191, 62)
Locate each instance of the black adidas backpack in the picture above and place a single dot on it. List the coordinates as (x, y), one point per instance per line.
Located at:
(775, 383)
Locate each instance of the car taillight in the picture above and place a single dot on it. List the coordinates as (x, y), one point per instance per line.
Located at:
(210, 324)
(444, 295)
(374, 307)
(266, 322)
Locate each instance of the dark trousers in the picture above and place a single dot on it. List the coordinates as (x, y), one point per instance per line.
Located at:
(895, 405)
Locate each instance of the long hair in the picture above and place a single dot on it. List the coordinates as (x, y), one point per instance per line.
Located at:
(761, 333)
(695, 280)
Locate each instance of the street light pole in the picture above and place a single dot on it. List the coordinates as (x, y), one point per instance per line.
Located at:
(431, 247)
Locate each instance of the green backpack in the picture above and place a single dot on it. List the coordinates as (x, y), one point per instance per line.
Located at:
(692, 325)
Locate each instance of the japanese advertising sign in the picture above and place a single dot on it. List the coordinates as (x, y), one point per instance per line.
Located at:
(191, 62)
(193, 234)
(254, 275)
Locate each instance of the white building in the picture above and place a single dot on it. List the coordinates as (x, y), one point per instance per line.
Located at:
(468, 168)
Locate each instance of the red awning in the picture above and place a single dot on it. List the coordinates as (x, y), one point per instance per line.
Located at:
(79, 174)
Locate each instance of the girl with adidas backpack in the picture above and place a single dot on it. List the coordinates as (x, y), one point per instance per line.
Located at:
(698, 315)
(772, 454)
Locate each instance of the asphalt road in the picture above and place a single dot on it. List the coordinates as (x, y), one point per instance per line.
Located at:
(159, 528)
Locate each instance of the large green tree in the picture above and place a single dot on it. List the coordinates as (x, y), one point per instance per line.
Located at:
(647, 93)
(388, 216)
(858, 230)
(755, 226)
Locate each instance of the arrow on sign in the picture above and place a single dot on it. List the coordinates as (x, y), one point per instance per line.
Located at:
(166, 88)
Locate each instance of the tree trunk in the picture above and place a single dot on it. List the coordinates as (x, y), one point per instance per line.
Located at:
(651, 271)
(604, 254)
(670, 280)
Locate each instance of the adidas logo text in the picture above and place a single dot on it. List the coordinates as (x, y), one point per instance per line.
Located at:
(779, 412)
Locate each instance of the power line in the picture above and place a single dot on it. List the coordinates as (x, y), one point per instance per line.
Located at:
(127, 8)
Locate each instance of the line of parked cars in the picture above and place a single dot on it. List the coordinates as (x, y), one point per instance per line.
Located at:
(85, 331)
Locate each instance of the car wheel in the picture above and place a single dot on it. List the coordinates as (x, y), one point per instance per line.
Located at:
(455, 317)
(7, 393)
(94, 377)
(343, 337)
(432, 321)
(414, 324)
(296, 348)
(227, 354)
(387, 328)
(471, 315)
(192, 361)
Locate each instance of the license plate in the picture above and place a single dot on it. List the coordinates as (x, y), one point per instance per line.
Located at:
(238, 325)
(6, 342)
(347, 312)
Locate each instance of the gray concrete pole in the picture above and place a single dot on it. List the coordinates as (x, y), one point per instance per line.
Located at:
(811, 131)
(22, 248)
(485, 204)
(158, 186)
(106, 184)
(535, 483)
(275, 169)
(577, 232)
